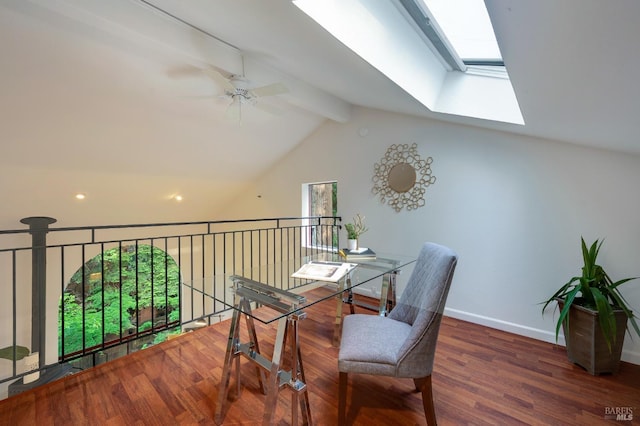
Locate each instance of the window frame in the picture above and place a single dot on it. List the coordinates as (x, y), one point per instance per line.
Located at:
(308, 238)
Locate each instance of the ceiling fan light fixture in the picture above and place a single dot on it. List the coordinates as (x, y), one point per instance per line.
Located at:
(239, 90)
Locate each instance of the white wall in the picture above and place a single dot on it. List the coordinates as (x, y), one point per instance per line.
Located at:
(513, 207)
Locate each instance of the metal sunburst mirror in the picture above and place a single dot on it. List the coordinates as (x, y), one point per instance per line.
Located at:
(402, 177)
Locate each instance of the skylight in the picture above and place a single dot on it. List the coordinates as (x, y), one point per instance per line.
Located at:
(467, 26)
(405, 41)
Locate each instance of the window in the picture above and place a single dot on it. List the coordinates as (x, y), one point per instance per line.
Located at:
(320, 199)
(122, 291)
(323, 199)
(467, 26)
(415, 45)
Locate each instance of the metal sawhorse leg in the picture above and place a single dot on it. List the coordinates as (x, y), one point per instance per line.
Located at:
(247, 291)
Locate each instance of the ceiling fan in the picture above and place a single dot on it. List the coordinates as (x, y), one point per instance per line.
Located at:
(239, 93)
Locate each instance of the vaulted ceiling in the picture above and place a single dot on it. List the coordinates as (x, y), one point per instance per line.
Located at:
(124, 79)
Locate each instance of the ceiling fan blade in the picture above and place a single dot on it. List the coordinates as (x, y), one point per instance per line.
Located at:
(271, 109)
(219, 78)
(199, 96)
(270, 90)
(184, 71)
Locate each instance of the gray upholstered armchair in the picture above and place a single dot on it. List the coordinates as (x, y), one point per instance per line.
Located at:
(404, 343)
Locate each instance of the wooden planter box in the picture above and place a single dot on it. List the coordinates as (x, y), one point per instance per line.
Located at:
(586, 345)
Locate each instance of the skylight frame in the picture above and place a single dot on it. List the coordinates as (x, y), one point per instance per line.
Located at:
(433, 24)
(427, 26)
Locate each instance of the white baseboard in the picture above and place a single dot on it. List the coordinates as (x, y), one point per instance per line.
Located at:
(522, 330)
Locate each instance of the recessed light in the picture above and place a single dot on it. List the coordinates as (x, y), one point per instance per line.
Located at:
(80, 196)
(178, 197)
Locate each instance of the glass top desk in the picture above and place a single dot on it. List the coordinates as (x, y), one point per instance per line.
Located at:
(283, 298)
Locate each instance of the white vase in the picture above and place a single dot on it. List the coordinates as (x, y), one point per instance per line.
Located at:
(352, 244)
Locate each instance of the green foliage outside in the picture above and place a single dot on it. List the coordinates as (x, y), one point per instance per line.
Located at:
(123, 291)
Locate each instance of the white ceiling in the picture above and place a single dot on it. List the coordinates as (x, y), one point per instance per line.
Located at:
(119, 78)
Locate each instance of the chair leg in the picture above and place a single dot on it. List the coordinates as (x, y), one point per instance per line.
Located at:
(424, 385)
(342, 399)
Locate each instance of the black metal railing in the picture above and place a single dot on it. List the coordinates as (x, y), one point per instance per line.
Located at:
(80, 295)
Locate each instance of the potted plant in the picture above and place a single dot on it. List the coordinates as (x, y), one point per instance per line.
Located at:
(354, 230)
(593, 315)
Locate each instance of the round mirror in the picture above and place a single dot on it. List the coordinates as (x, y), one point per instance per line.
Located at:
(402, 177)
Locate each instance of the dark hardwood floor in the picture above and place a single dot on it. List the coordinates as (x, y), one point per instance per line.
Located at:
(481, 377)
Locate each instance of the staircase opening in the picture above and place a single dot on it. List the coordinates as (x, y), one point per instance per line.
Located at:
(121, 300)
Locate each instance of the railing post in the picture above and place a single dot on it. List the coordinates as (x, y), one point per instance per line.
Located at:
(38, 228)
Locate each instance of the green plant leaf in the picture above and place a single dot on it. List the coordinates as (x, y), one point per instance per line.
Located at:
(561, 293)
(634, 324)
(622, 304)
(564, 313)
(620, 282)
(7, 353)
(598, 291)
(605, 317)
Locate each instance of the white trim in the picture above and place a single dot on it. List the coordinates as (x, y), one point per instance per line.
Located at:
(510, 327)
(522, 330)
(488, 71)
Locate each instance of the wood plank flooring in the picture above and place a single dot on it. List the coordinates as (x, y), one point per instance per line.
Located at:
(481, 377)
